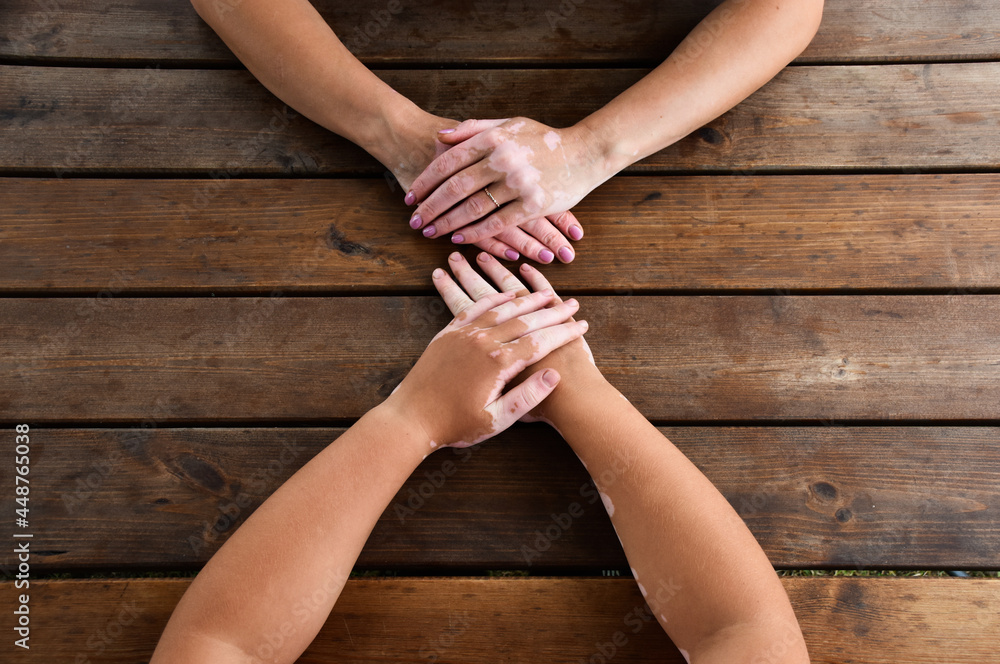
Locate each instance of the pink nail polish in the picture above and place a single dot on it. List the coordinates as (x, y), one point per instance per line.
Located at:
(575, 232)
(565, 254)
(546, 256)
(429, 231)
(409, 199)
(511, 255)
(446, 131)
(457, 238)
(416, 221)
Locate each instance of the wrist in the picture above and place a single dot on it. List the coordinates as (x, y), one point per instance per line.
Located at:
(578, 388)
(405, 141)
(404, 435)
(606, 151)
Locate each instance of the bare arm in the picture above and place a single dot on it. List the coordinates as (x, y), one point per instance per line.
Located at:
(267, 592)
(536, 169)
(292, 51)
(705, 578)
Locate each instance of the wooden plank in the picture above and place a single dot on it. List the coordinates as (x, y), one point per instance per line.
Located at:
(179, 360)
(704, 232)
(456, 32)
(90, 121)
(815, 497)
(844, 619)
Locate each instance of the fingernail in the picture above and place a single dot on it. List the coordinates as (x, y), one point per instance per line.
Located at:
(575, 232)
(437, 273)
(565, 254)
(585, 325)
(550, 378)
(455, 256)
(571, 302)
(483, 257)
(409, 199)
(511, 255)
(429, 231)
(457, 238)
(446, 131)
(546, 256)
(547, 292)
(415, 221)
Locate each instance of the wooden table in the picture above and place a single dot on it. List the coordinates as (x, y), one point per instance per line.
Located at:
(201, 289)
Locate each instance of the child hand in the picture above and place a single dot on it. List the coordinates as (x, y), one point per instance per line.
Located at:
(454, 393)
(573, 361)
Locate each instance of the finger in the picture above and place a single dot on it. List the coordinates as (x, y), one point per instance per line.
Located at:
(444, 167)
(451, 293)
(466, 130)
(555, 242)
(482, 306)
(518, 308)
(544, 341)
(498, 248)
(474, 285)
(501, 276)
(518, 402)
(568, 224)
(457, 190)
(536, 320)
(473, 208)
(508, 216)
(536, 279)
(528, 246)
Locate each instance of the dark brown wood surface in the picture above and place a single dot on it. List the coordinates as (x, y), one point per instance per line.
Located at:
(120, 237)
(823, 496)
(223, 124)
(844, 620)
(453, 32)
(280, 358)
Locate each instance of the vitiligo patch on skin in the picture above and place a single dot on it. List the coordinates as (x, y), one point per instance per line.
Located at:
(608, 505)
(642, 590)
(685, 655)
(552, 140)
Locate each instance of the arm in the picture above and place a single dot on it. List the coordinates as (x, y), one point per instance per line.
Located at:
(292, 51)
(536, 169)
(268, 590)
(705, 578)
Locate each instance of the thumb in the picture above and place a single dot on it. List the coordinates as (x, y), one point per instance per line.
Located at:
(518, 402)
(467, 130)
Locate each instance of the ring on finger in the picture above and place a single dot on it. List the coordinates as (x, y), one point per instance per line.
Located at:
(486, 190)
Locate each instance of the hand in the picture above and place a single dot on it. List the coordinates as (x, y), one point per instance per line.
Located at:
(454, 392)
(407, 153)
(530, 169)
(573, 361)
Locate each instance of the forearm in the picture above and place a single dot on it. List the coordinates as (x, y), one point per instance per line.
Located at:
(294, 53)
(277, 577)
(737, 48)
(702, 572)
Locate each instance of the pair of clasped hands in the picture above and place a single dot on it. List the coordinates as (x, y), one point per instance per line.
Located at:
(507, 187)
(499, 335)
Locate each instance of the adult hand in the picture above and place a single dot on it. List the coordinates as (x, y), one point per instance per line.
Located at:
(407, 155)
(454, 393)
(573, 361)
(502, 174)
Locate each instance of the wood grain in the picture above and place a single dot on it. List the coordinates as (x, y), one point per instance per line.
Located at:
(815, 497)
(223, 124)
(281, 359)
(857, 620)
(452, 32)
(643, 234)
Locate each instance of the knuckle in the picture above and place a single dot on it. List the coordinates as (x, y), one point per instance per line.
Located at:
(454, 187)
(494, 225)
(476, 207)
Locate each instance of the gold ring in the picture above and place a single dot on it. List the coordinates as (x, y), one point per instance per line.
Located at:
(491, 197)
